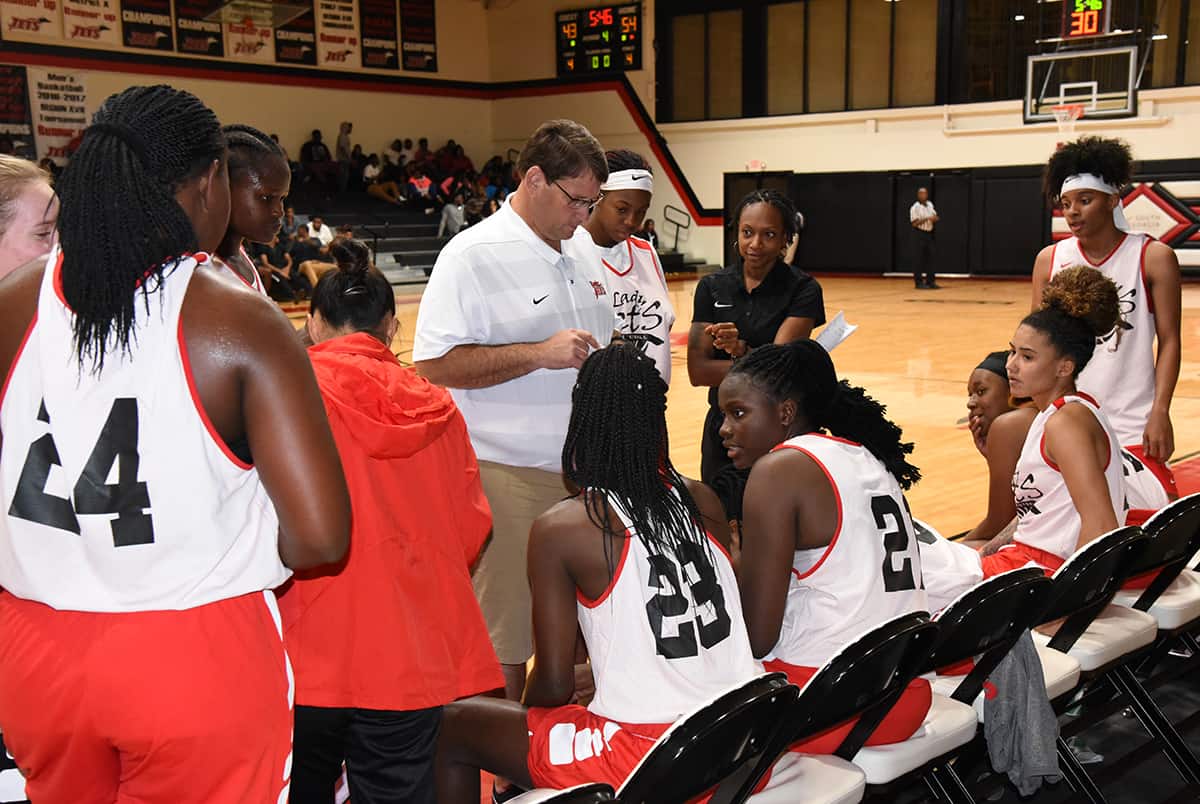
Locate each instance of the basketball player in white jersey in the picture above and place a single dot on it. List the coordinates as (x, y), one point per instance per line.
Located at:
(1068, 485)
(828, 545)
(1132, 379)
(627, 562)
(259, 181)
(634, 275)
(152, 495)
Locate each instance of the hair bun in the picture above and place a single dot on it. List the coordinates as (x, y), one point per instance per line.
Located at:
(1083, 293)
(353, 258)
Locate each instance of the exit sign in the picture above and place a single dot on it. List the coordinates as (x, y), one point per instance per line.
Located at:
(1084, 18)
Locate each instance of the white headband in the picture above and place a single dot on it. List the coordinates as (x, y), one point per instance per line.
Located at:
(635, 179)
(1090, 181)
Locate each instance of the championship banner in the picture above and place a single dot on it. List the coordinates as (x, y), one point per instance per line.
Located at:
(59, 100)
(249, 42)
(91, 21)
(418, 35)
(195, 35)
(380, 48)
(147, 24)
(31, 20)
(296, 42)
(15, 120)
(337, 34)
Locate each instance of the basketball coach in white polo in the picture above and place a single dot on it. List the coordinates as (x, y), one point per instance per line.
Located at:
(505, 323)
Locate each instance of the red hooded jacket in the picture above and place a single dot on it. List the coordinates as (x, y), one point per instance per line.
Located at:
(395, 625)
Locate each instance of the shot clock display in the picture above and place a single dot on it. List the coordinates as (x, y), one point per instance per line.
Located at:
(604, 39)
(1084, 18)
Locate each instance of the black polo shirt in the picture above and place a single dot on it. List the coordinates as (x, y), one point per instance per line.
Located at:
(785, 292)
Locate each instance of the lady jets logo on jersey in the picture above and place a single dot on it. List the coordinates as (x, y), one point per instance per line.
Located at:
(1126, 305)
(1026, 495)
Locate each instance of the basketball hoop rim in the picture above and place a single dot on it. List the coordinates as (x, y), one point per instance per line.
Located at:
(1068, 112)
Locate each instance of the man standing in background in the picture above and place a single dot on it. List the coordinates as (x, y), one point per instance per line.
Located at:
(923, 218)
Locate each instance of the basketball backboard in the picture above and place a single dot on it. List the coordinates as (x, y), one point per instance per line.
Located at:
(1104, 81)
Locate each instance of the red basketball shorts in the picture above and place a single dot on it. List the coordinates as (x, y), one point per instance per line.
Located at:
(901, 723)
(570, 745)
(175, 707)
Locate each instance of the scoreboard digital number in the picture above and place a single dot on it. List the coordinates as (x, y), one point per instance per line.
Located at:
(604, 39)
(1084, 18)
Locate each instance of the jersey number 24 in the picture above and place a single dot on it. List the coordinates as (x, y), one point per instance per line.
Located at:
(93, 494)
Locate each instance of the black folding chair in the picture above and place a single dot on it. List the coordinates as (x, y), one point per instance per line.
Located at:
(1172, 538)
(1082, 587)
(982, 625)
(864, 680)
(12, 783)
(705, 748)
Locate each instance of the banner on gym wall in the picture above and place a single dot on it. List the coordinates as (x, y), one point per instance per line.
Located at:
(195, 35)
(59, 102)
(147, 24)
(91, 21)
(378, 20)
(338, 39)
(16, 122)
(418, 35)
(296, 42)
(31, 20)
(249, 42)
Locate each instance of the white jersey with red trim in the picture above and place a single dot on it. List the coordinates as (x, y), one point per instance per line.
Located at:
(229, 272)
(871, 570)
(119, 495)
(1047, 517)
(641, 300)
(668, 633)
(1120, 375)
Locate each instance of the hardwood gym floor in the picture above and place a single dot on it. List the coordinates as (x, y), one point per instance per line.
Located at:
(913, 351)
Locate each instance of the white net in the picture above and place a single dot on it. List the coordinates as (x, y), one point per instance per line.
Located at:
(1065, 117)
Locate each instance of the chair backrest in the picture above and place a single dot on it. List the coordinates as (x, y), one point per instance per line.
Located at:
(705, 747)
(984, 622)
(1087, 581)
(1172, 537)
(864, 679)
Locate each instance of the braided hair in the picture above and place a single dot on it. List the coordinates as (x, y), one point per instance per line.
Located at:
(1110, 159)
(356, 296)
(120, 226)
(803, 372)
(247, 148)
(1079, 305)
(782, 204)
(616, 448)
(625, 159)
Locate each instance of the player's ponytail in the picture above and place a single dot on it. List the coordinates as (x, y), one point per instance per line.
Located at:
(803, 372)
(357, 296)
(120, 226)
(1079, 305)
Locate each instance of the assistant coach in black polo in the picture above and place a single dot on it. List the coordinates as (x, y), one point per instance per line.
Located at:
(760, 300)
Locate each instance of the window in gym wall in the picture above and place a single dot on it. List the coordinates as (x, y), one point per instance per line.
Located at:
(870, 53)
(724, 64)
(827, 55)
(914, 53)
(785, 58)
(687, 67)
(1162, 18)
(1192, 44)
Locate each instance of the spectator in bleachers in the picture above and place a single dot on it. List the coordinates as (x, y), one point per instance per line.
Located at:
(376, 186)
(453, 217)
(395, 151)
(320, 231)
(421, 191)
(460, 162)
(283, 279)
(317, 162)
(288, 227)
(473, 212)
(293, 165)
(407, 152)
(493, 206)
(422, 155)
(28, 213)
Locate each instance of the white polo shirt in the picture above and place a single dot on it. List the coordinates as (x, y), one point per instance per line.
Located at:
(921, 215)
(498, 283)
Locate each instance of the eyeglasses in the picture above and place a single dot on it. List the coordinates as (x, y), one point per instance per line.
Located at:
(574, 202)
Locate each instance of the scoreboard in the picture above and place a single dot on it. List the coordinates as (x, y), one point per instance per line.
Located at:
(1086, 18)
(603, 39)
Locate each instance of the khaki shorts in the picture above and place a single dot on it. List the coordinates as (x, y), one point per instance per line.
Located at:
(517, 496)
